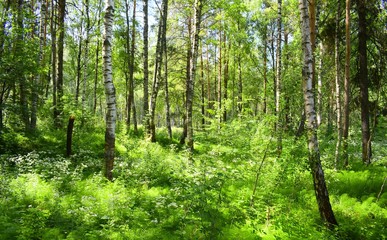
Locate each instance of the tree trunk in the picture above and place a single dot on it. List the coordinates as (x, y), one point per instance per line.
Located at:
(111, 113)
(347, 80)
(363, 79)
(97, 59)
(86, 61)
(265, 71)
(202, 88)
(157, 72)
(164, 43)
(53, 59)
(146, 71)
(278, 109)
(79, 67)
(321, 190)
(59, 83)
(131, 70)
(220, 77)
(192, 70)
(69, 142)
(19, 64)
(337, 87)
(226, 77)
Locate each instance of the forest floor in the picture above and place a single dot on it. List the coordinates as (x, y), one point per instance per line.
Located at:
(234, 186)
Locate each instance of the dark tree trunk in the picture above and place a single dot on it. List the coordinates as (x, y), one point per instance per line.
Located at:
(363, 79)
(70, 128)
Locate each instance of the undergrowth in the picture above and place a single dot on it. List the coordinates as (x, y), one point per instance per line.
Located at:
(234, 187)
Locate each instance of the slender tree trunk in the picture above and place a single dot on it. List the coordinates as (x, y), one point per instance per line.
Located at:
(61, 29)
(364, 82)
(189, 53)
(111, 113)
(19, 64)
(79, 66)
(167, 104)
(220, 59)
(198, 4)
(347, 80)
(265, 71)
(319, 86)
(131, 72)
(240, 84)
(146, 71)
(202, 88)
(127, 61)
(278, 109)
(321, 190)
(226, 77)
(86, 60)
(337, 87)
(97, 60)
(157, 73)
(53, 59)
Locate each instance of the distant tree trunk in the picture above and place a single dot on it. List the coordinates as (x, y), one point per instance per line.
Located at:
(79, 65)
(97, 59)
(319, 87)
(164, 43)
(86, 60)
(131, 71)
(189, 53)
(220, 59)
(202, 88)
(19, 64)
(157, 72)
(127, 61)
(226, 77)
(240, 83)
(321, 190)
(265, 71)
(363, 79)
(96, 77)
(70, 128)
(59, 83)
(347, 80)
(53, 59)
(337, 87)
(111, 113)
(278, 83)
(146, 71)
(198, 4)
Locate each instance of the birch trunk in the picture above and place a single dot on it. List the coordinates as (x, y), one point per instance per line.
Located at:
(337, 88)
(111, 112)
(192, 69)
(321, 190)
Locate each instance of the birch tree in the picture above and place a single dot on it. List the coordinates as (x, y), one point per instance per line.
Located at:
(111, 112)
(192, 69)
(321, 190)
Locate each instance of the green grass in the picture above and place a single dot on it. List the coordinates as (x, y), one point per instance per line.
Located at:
(159, 193)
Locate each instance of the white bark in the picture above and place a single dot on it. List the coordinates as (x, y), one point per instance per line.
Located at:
(111, 112)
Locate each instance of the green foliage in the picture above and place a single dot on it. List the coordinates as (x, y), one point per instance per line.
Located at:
(159, 192)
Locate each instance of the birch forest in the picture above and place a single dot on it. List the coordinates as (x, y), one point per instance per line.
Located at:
(193, 119)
